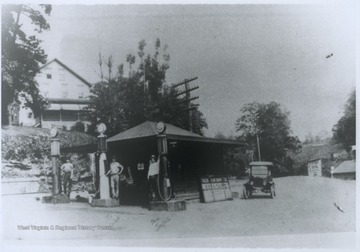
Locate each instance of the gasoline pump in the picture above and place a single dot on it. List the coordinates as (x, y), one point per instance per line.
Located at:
(163, 182)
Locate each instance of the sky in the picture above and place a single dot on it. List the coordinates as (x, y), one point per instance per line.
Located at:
(240, 54)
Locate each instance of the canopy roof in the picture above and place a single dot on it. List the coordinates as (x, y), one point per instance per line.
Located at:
(73, 107)
(147, 130)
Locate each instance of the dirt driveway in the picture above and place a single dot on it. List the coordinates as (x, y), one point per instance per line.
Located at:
(304, 207)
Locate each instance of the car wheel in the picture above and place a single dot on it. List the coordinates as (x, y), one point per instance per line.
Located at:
(272, 192)
(245, 193)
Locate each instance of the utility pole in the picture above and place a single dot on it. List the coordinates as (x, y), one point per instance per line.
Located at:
(258, 145)
(188, 105)
(188, 98)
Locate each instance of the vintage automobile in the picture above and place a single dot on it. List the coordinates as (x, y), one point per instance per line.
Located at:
(260, 179)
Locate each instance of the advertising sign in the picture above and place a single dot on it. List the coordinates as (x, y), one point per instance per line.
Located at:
(215, 189)
(140, 166)
(314, 168)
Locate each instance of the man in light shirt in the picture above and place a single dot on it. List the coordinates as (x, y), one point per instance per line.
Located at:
(67, 169)
(153, 167)
(115, 170)
(153, 174)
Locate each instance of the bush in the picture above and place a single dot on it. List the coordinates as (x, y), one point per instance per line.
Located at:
(78, 126)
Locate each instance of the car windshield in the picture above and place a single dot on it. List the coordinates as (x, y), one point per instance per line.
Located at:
(259, 170)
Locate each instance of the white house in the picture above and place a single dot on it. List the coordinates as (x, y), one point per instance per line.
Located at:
(67, 93)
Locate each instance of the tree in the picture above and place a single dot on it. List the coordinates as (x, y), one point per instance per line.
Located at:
(21, 56)
(344, 131)
(270, 124)
(131, 60)
(235, 158)
(125, 101)
(309, 139)
(107, 105)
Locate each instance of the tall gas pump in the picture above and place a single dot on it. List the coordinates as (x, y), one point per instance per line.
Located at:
(56, 196)
(103, 180)
(163, 183)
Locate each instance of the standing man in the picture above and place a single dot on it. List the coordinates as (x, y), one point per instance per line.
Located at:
(153, 174)
(115, 171)
(67, 170)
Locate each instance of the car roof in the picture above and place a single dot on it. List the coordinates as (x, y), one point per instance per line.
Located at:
(262, 163)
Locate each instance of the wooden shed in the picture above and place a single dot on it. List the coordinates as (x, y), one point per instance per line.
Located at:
(345, 170)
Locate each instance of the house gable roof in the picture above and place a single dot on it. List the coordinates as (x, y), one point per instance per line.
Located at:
(68, 69)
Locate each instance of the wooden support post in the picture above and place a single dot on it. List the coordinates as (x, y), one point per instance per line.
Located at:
(188, 106)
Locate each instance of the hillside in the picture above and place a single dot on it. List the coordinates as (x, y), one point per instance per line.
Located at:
(23, 149)
(19, 143)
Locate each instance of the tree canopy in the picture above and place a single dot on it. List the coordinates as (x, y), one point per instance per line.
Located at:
(344, 131)
(271, 124)
(124, 101)
(21, 55)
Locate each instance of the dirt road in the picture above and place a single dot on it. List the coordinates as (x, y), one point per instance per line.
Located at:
(304, 206)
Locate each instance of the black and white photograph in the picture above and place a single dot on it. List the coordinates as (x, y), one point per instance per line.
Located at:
(185, 125)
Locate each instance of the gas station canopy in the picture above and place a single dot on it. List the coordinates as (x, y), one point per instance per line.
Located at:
(148, 130)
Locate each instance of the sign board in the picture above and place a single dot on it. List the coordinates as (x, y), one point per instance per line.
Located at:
(215, 189)
(140, 166)
(315, 168)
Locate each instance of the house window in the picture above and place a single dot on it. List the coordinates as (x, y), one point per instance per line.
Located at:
(65, 94)
(51, 115)
(69, 116)
(30, 115)
(48, 76)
